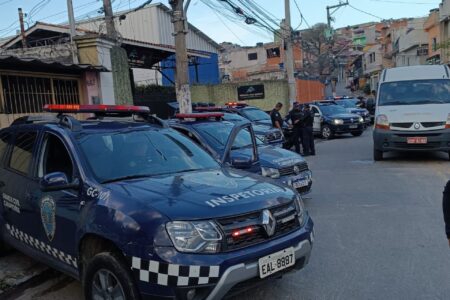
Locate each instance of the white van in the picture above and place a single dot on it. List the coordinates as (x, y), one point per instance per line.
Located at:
(413, 110)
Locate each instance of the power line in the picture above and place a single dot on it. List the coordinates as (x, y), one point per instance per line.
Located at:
(404, 2)
(365, 12)
(224, 24)
(302, 18)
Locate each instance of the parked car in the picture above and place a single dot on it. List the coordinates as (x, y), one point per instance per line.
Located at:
(331, 119)
(224, 140)
(137, 210)
(237, 113)
(413, 110)
(350, 105)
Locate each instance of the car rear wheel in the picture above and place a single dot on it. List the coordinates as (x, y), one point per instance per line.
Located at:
(327, 132)
(377, 155)
(358, 133)
(107, 277)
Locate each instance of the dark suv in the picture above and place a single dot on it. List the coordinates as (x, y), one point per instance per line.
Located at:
(137, 210)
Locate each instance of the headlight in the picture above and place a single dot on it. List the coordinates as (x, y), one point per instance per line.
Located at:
(270, 172)
(195, 237)
(361, 119)
(261, 137)
(301, 211)
(338, 121)
(382, 122)
(447, 125)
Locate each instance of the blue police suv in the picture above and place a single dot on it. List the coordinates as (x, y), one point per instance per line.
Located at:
(235, 144)
(136, 210)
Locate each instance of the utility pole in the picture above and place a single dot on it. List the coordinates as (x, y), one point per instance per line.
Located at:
(289, 53)
(181, 70)
(22, 29)
(330, 37)
(330, 14)
(109, 20)
(73, 31)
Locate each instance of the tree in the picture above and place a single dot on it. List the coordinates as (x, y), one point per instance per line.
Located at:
(317, 49)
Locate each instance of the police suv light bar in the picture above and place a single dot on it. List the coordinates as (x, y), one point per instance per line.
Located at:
(236, 104)
(101, 108)
(210, 108)
(199, 116)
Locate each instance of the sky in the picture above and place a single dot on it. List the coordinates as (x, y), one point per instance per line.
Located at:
(213, 22)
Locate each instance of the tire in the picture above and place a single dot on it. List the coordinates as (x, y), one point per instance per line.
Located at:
(119, 280)
(357, 133)
(327, 132)
(377, 155)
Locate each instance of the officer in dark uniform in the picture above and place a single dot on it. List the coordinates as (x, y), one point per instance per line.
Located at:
(307, 131)
(446, 209)
(277, 120)
(296, 120)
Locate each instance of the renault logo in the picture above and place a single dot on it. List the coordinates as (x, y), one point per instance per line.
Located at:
(351, 120)
(268, 222)
(296, 170)
(416, 126)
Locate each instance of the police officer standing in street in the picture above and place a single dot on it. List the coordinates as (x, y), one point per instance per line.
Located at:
(446, 209)
(307, 131)
(296, 120)
(277, 120)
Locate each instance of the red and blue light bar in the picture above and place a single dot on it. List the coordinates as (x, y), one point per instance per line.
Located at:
(236, 104)
(95, 108)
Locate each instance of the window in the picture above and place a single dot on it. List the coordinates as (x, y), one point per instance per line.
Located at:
(273, 52)
(434, 44)
(315, 110)
(26, 94)
(55, 158)
(4, 140)
(253, 56)
(22, 153)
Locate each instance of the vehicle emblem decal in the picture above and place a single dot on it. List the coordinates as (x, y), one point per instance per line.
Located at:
(296, 170)
(351, 120)
(48, 216)
(416, 126)
(269, 223)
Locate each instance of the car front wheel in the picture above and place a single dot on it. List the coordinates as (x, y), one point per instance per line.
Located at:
(327, 132)
(107, 277)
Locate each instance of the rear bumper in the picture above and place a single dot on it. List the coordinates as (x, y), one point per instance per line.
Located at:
(388, 140)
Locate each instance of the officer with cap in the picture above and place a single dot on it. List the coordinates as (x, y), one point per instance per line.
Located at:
(296, 120)
(307, 131)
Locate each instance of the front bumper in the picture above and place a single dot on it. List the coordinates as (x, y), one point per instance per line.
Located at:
(341, 129)
(305, 178)
(388, 140)
(168, 267)
(245, 271)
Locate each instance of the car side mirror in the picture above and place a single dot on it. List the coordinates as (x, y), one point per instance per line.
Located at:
(57, 181)
(240, 161)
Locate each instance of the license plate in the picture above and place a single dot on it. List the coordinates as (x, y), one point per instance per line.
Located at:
(353, 126)
(299, 184)
(276, 262)
(417, 140)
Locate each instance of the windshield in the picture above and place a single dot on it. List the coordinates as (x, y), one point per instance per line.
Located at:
(217, 135)
(329, 110)
(233, 118)
(254, 114)
(436, 91)
(131, 154)
(347, 103)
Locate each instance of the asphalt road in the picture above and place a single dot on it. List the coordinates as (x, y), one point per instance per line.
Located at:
(379, 230)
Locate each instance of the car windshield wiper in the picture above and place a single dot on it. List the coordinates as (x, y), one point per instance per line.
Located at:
(129, 177)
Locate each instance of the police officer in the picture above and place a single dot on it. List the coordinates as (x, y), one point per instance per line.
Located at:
(446, 209)
(307, 131)
(296, 120)
(277, 120)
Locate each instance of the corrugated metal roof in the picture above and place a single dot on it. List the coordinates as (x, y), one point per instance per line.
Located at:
(16, 63)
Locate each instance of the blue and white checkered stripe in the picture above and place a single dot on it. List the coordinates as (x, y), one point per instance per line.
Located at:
(173, 275)
(39, 245)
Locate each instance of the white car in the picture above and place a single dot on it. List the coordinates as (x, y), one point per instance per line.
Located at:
(413, 110)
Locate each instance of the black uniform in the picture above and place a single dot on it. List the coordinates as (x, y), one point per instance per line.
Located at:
(296, 118)
(276, 116)
(307, 133)
(446, 208)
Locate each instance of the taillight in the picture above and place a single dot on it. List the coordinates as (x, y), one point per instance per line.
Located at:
(382, 122)
(447, 125)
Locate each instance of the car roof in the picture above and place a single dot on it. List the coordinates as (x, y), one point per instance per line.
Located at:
(421, 72)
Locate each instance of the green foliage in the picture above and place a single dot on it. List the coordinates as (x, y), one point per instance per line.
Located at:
(153, 88)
